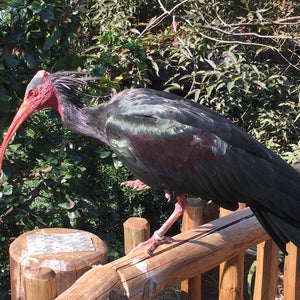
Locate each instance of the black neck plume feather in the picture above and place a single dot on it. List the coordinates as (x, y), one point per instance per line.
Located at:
(74, 89)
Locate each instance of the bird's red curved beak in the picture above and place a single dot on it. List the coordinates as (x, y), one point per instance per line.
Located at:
(25, 110)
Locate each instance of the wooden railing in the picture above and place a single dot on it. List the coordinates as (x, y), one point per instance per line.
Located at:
(140, 276)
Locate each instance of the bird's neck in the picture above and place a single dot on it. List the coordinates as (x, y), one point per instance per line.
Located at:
(86, 121)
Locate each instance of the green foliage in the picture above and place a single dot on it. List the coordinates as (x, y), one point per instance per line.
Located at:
(239, 57)
(233, 59)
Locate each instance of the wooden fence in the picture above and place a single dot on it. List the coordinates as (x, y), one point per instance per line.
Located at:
(193, 252)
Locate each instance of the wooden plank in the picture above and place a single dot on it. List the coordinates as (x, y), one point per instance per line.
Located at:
(231, 272)
(291, 276)
(266, 271)
(192, 253)
(192, 218)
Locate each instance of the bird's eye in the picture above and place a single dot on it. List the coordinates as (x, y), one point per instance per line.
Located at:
(33, 93)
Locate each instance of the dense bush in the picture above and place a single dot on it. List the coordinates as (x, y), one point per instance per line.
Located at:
(240, 58)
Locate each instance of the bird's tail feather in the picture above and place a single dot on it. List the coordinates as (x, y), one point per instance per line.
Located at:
(279, 230)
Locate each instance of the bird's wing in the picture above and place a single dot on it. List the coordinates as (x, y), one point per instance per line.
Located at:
(188, 152)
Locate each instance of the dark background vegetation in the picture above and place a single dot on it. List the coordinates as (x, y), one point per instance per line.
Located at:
(239, 57)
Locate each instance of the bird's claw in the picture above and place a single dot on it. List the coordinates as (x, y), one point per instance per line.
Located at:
(136, 185)
(151, 244)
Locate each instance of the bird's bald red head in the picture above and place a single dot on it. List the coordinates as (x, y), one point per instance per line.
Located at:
(40, 93)
(37, 80)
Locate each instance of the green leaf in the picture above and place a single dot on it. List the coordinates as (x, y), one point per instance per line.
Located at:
(105, 154)
(3, 96)
(254, 67)
(210, 88)
(11, 61)
(262, 49)
(47, 13)
(117, 163)
(211, 63)
(67, 205)
(261, 84)
(30, 60)
(52, 39)
(250, 277)
(154, 66)
(74, 217)
(36, 6)
(230, 85)
(7, 189)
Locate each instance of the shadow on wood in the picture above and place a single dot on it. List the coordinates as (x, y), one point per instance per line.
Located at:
(139, 276)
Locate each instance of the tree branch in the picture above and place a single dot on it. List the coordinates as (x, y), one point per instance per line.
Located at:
(155, 21)
(214, 28)
(290, 21)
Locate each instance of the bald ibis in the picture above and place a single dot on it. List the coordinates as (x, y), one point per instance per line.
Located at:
(176, 145)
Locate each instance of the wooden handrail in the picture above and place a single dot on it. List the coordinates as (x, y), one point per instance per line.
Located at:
(140, 276)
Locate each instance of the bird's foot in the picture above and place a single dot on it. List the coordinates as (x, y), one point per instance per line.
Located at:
(159, 235)
(136, 185)
(150, 245)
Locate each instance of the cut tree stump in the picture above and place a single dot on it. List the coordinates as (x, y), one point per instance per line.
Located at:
(54, 257)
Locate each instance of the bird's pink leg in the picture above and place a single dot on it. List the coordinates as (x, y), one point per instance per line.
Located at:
(136, 185)
(159, 235)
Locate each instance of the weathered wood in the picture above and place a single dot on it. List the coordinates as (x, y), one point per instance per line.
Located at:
(291, 276)
(32, 250)
(192, 218)
(231, 278)
(136, 230)
(40, 284)
(231, 272)
(140, 276)
(266, 271)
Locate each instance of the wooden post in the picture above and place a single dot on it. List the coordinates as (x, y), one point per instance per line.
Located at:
(231, 276)
(68, 252)
(192, 218)
(40, 284)
(136, 230)
(291, 276)
(266, 271)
